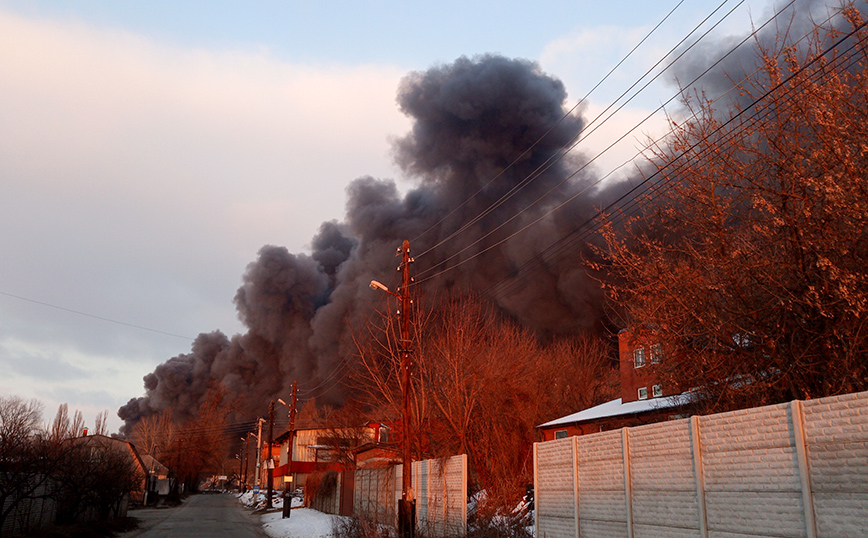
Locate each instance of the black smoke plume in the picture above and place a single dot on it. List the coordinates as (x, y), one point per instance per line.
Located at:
(481, 127)
(472, 120)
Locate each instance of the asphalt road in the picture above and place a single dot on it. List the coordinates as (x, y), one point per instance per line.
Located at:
(200, 516)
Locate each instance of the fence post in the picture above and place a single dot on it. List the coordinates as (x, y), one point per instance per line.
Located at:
(576, 483)
(536, 489)
(797, 417)
(628, 487)
(698, 476)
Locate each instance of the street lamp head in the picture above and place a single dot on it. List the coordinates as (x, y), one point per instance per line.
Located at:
(280, 401)
(377, 286)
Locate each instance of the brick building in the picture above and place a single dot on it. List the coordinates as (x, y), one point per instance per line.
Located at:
(644, 399)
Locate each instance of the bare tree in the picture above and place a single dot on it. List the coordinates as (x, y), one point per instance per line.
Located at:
(482, 384)
(26, 459)
(100, 425)
(154, 433)
(62, 427)
(97, 475)
(749, 260)
(199, 446)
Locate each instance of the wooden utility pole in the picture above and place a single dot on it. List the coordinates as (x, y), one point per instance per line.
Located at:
(258, 455)
(287, 498)
(269, 462)
(246, 457)
(407, 505)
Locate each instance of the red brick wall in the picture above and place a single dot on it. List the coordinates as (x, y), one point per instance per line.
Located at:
(632, 378)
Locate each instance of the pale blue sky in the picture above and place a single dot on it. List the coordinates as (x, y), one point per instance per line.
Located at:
(148, 149)
(411, 35)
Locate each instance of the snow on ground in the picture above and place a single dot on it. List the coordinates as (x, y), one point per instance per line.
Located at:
(258, 502)
(303, 523)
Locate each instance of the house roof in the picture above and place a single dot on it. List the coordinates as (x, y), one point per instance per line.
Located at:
(151, 464)
(615, 408)
(106, 441)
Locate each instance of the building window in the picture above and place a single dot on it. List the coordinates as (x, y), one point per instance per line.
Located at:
(656, 354)
(657, 391)
(639, 357)
(560, 434)
(643, 393)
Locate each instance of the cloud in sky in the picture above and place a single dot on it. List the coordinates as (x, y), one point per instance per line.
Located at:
(139, 179)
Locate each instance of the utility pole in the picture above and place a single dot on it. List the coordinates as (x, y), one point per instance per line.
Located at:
(407, 506)
(258, 454)
(407, 503)
(288, 479)
(246, 439)
(270, 462)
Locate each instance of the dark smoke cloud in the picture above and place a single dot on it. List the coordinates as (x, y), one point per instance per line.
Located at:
(792, 23)
(471, 120)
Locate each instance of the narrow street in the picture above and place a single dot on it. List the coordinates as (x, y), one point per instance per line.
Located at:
(203, 516)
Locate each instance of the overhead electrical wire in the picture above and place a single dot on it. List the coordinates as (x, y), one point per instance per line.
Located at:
(101, 318)
(631, 195)
(541, 138)
(141, 327)
(634, 200)
(576, 140)
(657, 189)
(591, 185)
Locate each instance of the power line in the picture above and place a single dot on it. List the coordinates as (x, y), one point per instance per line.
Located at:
(575, 142)
(567, 242)
(593, 184)
(101, 318)
(535, 143)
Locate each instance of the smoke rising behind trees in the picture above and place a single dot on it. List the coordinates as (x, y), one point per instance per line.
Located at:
(480, 127)
(471, 120)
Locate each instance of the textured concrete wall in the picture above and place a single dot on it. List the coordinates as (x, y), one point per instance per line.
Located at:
(602, 511)
(374, 495)
(554, 488)
(441, 495)
(791, 470)
(664, 501)
(836, 432)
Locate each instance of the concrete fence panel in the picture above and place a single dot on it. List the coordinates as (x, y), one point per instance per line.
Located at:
(836, 433)
(792, 470)
(440, 487)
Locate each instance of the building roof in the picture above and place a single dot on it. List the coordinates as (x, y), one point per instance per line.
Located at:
(615, 408)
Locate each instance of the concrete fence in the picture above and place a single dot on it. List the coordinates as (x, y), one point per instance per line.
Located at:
(791, 470)
(441, 495)
(37, 511)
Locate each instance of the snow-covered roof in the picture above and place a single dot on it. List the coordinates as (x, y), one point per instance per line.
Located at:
(615, 408)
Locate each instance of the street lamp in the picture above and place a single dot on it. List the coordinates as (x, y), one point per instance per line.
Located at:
(407, 504)
(382, 287)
